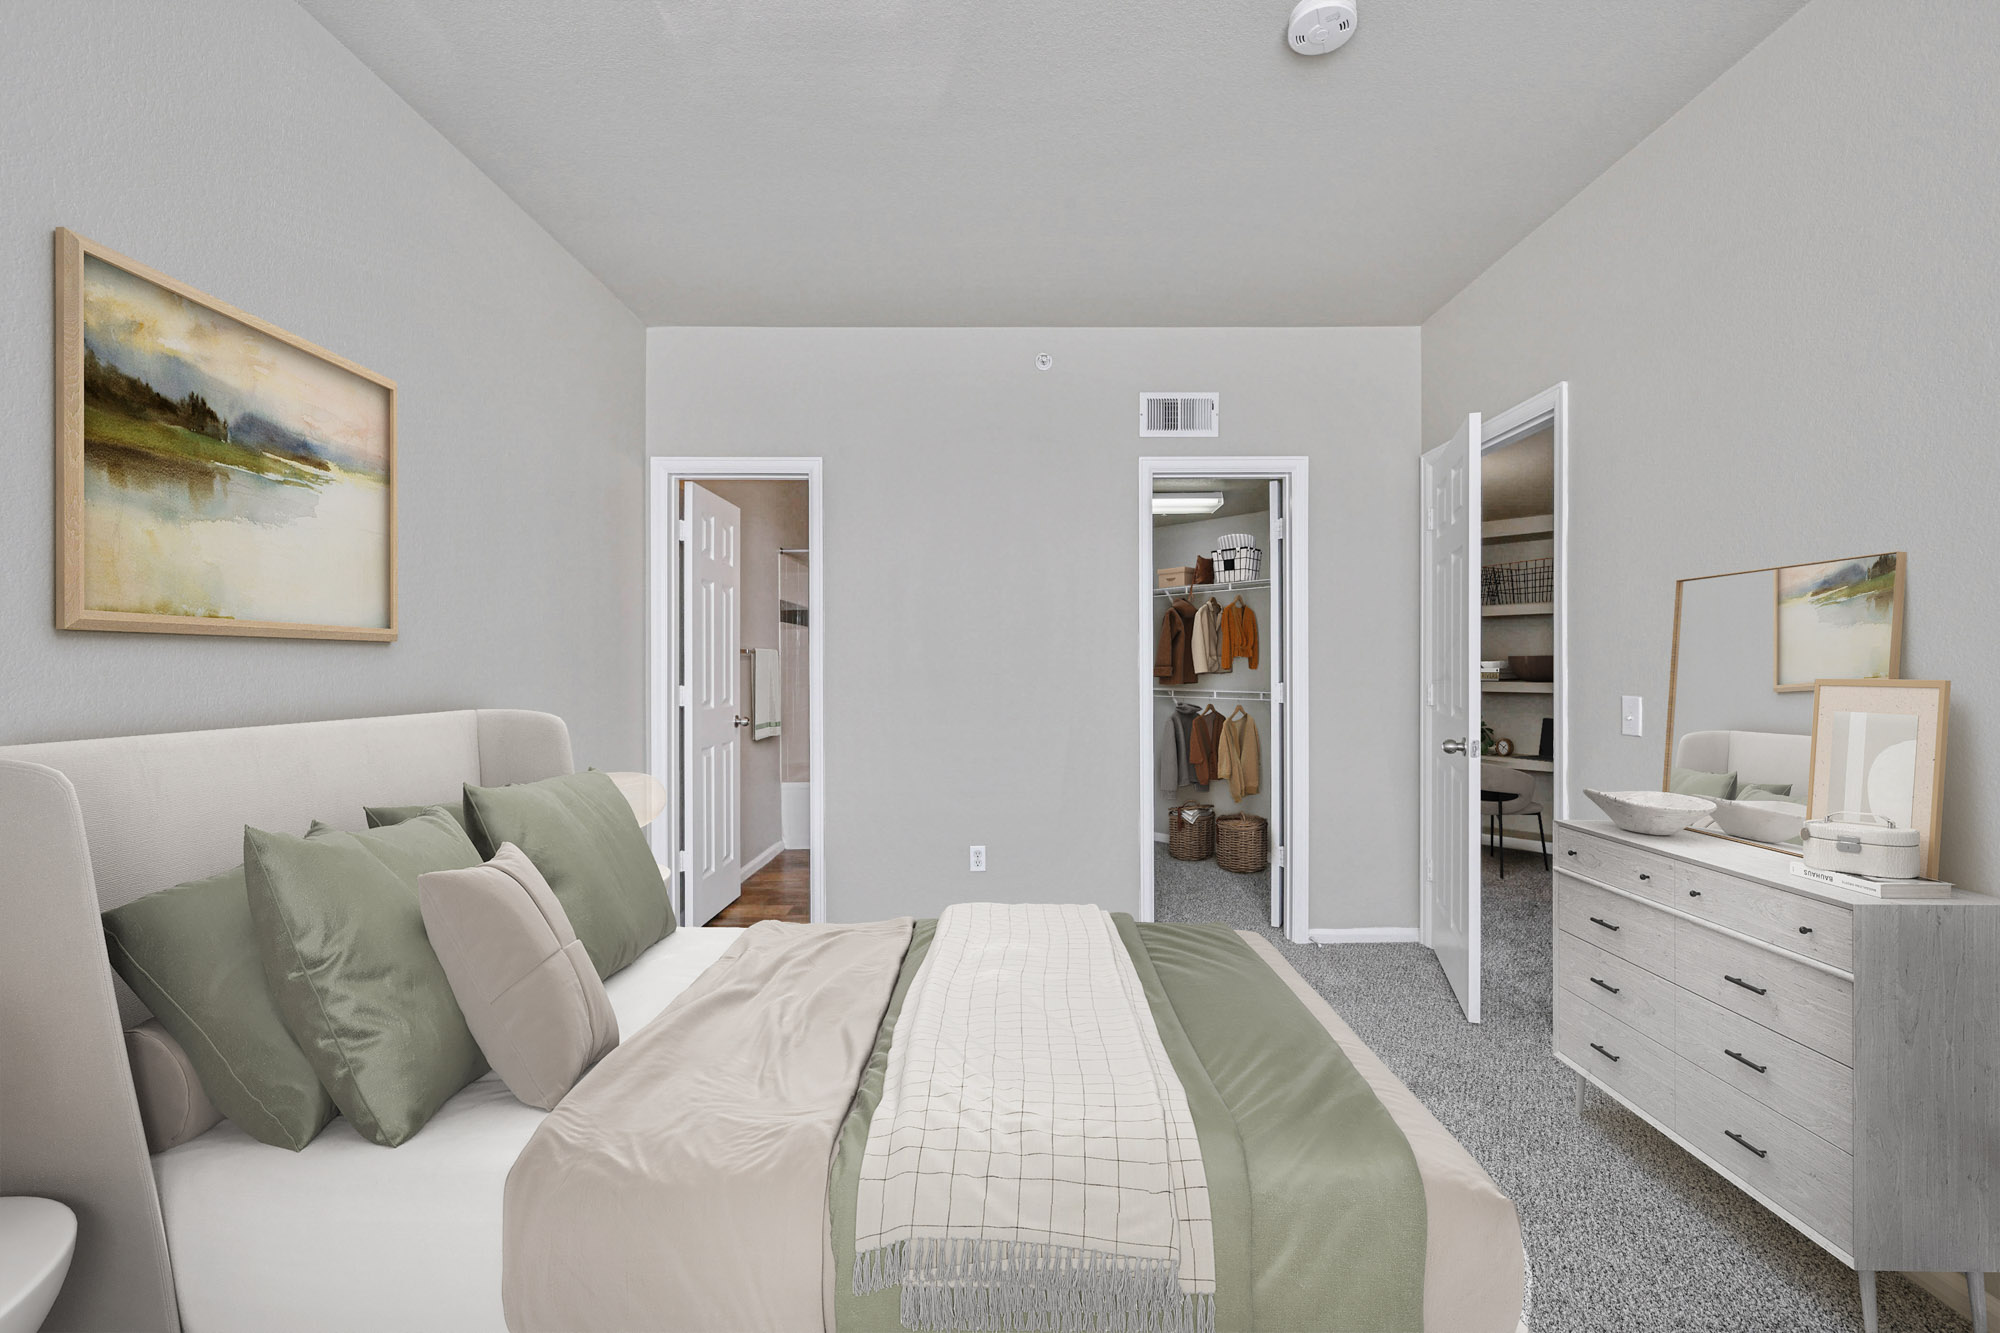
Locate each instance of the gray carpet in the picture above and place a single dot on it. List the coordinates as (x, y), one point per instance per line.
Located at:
(1623, 1229)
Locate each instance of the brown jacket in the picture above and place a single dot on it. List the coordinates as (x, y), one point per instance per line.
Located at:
(1204, 736)
(1173, 658)
(1239, 635)
(1239, 757)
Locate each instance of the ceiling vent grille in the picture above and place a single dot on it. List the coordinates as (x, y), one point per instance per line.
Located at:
(1180, 413)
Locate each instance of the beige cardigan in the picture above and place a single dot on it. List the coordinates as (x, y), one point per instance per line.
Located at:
(1239, 757)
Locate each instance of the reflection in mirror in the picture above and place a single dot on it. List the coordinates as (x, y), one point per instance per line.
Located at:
(1731, 735)
(1873, 769)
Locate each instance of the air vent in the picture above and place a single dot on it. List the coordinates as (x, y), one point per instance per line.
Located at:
(1180, 413)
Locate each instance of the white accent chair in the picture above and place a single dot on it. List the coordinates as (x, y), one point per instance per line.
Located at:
(1519, 799)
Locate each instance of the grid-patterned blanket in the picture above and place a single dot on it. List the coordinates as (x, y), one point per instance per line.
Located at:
(1033, 1165)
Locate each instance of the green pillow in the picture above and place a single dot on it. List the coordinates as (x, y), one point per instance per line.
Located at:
(1763, 791)
(383, 816)
(1694, 782)
(190, 952)
(580, 833)
(353, 972)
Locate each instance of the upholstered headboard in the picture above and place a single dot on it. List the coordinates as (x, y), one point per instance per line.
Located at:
(92, 824)
(1753, 756)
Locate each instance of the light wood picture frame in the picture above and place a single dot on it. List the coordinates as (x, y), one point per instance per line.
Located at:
(215, 474)
(1838, 619)
(1929, 703)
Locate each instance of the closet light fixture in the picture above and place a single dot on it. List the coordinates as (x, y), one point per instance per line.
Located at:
(1188, 502)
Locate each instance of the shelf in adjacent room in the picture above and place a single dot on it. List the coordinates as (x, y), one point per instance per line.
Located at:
(1529, 764)
(1520, 609)
(1535, 527)
(1518, 686)
(1214, 589)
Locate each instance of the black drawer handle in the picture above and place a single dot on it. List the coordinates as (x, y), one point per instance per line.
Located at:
(1805, 930)
(1694, 893)
(1607, 985)
(1746, 1143)
(1644, 875)
(1606, 1054)
(1742, 1059)
(1602, 922)
(1759, 990)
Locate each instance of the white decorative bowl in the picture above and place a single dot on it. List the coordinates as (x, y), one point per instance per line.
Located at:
(1655, 813)
(1761, 821)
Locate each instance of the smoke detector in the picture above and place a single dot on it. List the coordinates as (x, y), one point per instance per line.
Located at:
(1320, 26)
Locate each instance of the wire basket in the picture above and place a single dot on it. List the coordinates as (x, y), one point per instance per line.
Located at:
(1518, 581)
(1191, 832)
(1242, 843)
(1237, 558)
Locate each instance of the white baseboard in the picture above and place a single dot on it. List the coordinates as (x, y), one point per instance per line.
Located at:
(1364, 935)
(1950, 1288)
(1514, 844)
(762, 859)
(1160, 837)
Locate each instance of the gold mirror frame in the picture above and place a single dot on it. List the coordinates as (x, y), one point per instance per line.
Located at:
(1674, 671)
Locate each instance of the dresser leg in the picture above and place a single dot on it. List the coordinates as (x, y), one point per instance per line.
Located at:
(1867, 1276)
(1975, 1295)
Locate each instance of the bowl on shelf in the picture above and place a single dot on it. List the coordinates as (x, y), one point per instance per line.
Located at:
(1761, 821)
(1653, 813)
(1533, 668)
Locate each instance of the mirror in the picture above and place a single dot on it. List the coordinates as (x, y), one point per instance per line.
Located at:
(1747, 648)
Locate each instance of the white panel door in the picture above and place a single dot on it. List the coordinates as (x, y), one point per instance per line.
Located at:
(1449, 762)
(711, 633)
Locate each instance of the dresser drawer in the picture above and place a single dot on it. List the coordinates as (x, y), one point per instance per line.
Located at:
(1638, 1068)
(1618, 925)
(1620, 866)
(1812, 1007)
(1618, 986)
(1798, 1172)
(1789, 920)
(1797, 1082)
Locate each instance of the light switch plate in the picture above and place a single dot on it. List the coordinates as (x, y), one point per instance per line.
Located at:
(1634, 713)
(978, 858)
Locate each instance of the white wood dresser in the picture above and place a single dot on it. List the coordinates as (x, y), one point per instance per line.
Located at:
(1835, 1056)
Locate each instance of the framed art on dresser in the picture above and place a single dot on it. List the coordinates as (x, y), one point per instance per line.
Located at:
(1878, 749)
(214, 474)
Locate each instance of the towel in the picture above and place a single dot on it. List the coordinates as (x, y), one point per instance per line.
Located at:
(766, 689)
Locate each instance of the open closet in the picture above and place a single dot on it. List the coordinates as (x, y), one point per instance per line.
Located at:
(1517, 664)
(1218, 724)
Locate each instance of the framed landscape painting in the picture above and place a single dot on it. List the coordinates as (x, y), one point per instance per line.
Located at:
(214, 474)
(1840, 620)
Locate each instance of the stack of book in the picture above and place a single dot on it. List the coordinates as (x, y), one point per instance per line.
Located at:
(1879, 888)
(1496, 670)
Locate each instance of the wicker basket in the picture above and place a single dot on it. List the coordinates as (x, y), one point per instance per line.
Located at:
(1242, 843)
(1191, 832)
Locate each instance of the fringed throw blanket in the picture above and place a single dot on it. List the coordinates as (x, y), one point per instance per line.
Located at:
(1032, 1167)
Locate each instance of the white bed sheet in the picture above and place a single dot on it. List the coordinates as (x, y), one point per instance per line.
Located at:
(347, 1235)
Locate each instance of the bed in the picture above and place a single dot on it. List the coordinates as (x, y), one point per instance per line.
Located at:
(223, 1233)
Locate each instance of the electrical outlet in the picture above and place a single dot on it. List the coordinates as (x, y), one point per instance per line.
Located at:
(1634, 714)
(978, 858)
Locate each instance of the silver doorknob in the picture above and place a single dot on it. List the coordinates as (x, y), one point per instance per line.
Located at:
(1454, 747)
(742, 721)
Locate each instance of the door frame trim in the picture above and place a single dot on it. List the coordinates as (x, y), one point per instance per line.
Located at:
(665, 742)
(1295, 794)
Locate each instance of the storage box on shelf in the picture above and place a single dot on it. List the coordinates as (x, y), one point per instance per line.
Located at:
(1829, 1053)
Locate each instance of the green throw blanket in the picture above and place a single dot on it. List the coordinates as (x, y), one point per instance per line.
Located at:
(1319, 1211)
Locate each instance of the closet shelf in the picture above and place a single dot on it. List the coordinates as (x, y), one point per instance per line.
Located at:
(1188, 692)
(1518, 687)
(1520, 609)
(1214, 589)
(1518, 761)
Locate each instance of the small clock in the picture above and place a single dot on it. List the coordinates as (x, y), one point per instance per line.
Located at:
(1503, 746)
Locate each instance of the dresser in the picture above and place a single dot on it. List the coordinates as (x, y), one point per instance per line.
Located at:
(1833, 1055)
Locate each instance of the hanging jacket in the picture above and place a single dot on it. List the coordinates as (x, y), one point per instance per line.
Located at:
(1239, 635)
(1239, 756)
(1173, 657)
(1204, 735)
(1171, 754)
(1206, 644)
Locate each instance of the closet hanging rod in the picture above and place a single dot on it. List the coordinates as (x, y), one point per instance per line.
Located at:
(794, 550)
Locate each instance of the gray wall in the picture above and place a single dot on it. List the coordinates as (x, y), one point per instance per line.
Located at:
(239, 148)
(982, 560)
(1777, 318)
(774, 515)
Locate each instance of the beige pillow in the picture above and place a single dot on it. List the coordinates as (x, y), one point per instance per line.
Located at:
(173, 1108)
(529, 992)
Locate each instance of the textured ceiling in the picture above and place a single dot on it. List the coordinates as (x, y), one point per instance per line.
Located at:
(1041, 162)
